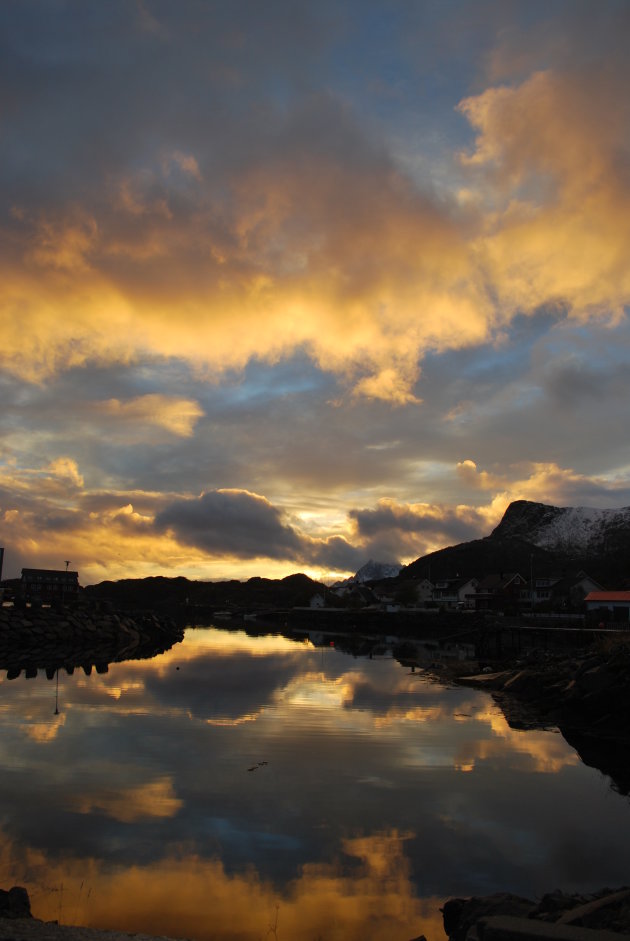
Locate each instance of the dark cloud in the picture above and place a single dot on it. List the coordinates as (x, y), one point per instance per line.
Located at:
(241, 523)
(228, 697)
(246, 525)
(415, 524)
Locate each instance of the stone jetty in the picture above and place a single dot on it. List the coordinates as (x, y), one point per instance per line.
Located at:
(41, 638)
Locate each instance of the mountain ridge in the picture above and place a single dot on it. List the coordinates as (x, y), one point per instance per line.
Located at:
(543, 538)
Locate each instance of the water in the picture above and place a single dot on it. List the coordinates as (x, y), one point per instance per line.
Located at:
(258, 787)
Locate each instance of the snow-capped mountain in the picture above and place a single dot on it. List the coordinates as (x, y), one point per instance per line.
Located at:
(371, 572)
(575, 529)
(549, 539)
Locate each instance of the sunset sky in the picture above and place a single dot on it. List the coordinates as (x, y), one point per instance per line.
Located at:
(286, 285)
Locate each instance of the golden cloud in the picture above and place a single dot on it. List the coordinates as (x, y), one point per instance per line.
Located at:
(543, 752)
(196, 898)
(355, 268)
(154, 799)
(179, 416)
(350, 263)
(540, 481)
(66, 468)
(557, 225)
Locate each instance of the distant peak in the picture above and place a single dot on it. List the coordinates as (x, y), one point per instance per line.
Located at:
(373, 571)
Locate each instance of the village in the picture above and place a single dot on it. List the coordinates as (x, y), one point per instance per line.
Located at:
(574, 597)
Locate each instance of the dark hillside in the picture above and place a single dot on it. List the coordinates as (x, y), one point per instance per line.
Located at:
(530, 540)
(159, 591)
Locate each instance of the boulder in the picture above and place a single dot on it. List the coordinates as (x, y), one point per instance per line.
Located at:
(15, 903)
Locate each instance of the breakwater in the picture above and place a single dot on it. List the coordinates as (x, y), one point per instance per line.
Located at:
(33, 639)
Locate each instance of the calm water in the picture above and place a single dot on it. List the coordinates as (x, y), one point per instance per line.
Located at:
(252, 787)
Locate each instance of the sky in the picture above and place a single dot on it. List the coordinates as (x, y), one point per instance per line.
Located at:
(287, 286)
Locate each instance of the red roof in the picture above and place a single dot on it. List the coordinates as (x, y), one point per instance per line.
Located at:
(608, 596)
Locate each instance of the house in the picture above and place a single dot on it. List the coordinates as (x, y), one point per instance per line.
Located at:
(423, 590)
(499, 591)
(559, 592)
(615, 602)
(455, 592)
(408, 592)
(571, 590)
(49, 585)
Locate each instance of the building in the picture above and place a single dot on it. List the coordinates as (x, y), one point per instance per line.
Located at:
(615, 603)
(455, 592)
(49, 585)
(559, 593)
(499, 591)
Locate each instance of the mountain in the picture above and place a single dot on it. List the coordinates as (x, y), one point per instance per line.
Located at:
(570, 529)
(371, 572)
(541, 539)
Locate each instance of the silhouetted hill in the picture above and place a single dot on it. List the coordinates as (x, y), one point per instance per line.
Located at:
(160, 591)
(543, 539)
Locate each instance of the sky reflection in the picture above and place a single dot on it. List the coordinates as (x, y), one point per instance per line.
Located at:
(234, 774)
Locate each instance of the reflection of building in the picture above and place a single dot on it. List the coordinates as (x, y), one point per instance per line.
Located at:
(49, 585)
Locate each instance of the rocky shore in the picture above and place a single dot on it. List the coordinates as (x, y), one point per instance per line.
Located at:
(17, 924)
(601, 916)
(49, 639)
(583, 692)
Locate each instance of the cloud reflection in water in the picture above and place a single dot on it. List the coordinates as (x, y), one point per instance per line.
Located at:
(194, 793)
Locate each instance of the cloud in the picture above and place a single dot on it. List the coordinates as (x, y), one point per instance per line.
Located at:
(551, 161)
(415, 529)
(65, 468)
(325, 895)
(231, 242)
(225, 221)
(542, 482)
(407, 531)
(179, 416)
(241, 523)
(348, 263)
(151, 799)
(247, 525)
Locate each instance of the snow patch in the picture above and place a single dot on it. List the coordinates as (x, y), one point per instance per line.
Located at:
(580, 528)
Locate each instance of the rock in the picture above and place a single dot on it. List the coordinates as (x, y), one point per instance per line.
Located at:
(602, 912)
(460, 915)
(15, 903)
(523, 680)
(595, 680)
